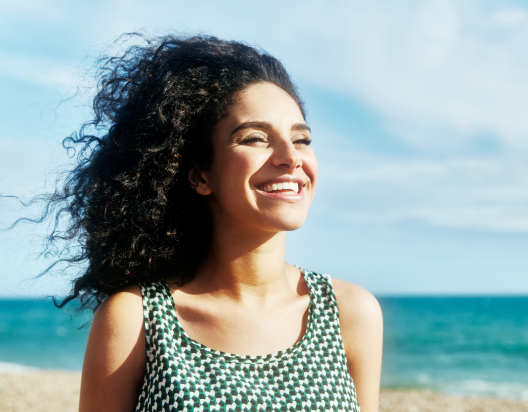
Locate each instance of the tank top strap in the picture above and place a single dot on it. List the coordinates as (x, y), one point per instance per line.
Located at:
(326, 329)
(159, 320)
(322, 294)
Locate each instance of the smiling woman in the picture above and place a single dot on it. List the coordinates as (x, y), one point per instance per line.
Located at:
(262, 143)
(199, 163)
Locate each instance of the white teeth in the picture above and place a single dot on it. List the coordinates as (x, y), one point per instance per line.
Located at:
(282, 186)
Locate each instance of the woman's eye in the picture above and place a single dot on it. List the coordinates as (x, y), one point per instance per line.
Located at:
(304, 141)
(255, 139)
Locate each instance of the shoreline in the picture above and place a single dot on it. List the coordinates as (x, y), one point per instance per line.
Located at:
(58, 390)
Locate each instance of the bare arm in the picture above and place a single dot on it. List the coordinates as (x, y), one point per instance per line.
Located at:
(362, 331)
(114, 361)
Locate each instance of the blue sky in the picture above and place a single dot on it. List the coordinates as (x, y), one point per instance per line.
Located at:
(418, 110)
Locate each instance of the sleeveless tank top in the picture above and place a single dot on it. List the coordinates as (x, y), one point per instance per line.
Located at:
(184, 375)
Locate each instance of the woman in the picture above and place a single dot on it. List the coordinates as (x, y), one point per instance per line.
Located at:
(183, 206)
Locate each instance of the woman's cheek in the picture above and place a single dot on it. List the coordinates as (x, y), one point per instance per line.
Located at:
(310, 167)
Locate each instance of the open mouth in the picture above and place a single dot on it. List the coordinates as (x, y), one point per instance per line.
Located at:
(280, 187)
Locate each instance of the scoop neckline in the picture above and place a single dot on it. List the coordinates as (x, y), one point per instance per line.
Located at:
(232, 357)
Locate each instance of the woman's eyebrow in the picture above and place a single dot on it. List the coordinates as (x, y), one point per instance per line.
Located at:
(266, 125)
(252, 125)
(299, 127)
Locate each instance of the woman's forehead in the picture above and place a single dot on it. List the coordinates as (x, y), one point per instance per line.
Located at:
(264, 102)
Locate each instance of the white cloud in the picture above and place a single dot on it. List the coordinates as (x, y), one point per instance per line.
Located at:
(472, 193)
(511, 18)
(36, 69)
(33, 9)
(425, 66)
(27, 164)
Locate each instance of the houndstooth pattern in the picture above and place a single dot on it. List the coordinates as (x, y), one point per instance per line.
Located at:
(184, 375)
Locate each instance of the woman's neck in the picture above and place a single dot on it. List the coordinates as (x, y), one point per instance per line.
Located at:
(245, 266)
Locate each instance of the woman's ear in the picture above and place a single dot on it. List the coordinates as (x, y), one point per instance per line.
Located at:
(198, 181)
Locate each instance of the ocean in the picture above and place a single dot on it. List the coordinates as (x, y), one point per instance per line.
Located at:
(461, 345)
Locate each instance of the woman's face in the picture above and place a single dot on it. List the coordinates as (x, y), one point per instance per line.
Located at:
(264, 172)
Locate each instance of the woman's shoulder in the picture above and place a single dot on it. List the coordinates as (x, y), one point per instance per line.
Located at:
(121, 314)
(356, 304)
(126, 299)
(359, 311)
(114, 361)
(361, 325)
(355, 300)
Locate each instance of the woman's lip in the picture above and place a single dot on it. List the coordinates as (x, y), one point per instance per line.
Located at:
(285, 195)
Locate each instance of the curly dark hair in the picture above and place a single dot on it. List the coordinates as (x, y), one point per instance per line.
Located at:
(128, 202)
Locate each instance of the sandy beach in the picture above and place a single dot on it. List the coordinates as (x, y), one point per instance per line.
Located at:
(58, 391)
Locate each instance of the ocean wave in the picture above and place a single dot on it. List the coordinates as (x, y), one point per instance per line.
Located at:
(477, 387)
(503, 389)
(11, 367)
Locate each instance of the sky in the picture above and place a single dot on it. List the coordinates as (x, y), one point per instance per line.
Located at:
(418, 111)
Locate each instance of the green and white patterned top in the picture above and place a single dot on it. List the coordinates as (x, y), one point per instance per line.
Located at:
(184, 375)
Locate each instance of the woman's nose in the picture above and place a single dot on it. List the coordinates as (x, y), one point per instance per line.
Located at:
(285, 155)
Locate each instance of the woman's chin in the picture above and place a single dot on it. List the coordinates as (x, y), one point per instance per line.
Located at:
(287, 224)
